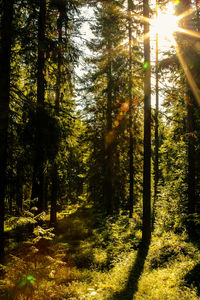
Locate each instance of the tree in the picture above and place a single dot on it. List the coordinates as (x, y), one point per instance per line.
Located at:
(156, 163)
(38, 167)
(189, 57)
(131, 172)
(107, 91)
(5, 57)
(146, 233)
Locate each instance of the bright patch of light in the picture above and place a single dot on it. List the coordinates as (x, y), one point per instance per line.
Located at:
(165, 23)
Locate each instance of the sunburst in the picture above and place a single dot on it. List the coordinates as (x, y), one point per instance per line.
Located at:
(164, 24)
(164, 27)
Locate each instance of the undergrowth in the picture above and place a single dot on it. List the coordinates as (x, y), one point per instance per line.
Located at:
(93, 258)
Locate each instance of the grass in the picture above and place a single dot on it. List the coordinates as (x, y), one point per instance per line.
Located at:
(99, 258)
(170, 258)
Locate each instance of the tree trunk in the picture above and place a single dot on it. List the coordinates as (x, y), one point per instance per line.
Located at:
(109, 141)
(146, 232)
(197, 15)
(41, 55)
(131, 170)
(191, 94)
(39, 159)
(59, 63)
(5, 56)
(156, 166)
(191, 163)
(54, 192)
(54, 195)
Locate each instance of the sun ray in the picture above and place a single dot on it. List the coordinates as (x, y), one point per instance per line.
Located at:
(142, 18)
(188, 75)
(165, 24)
(189, 32)
(187, 13)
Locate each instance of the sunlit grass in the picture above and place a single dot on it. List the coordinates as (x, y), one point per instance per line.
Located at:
(170, 258)
(95, 262)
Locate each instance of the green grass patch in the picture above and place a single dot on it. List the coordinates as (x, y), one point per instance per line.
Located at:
(95, 257)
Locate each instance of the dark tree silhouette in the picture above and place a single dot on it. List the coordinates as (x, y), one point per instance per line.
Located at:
(146, 233)
(38, 168)
(5, 56)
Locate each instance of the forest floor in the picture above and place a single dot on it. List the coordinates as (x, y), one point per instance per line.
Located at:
(92, 257)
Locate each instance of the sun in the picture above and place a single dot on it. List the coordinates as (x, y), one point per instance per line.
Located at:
(165, 24)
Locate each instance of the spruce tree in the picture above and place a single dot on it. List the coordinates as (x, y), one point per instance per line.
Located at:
(6, 18)
(146, 233)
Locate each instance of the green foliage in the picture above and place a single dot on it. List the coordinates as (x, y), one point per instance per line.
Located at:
(171, 207)
(107, 107)
(170, 258)
(56, 131)
(168, 248)
(117, 235)
(93, 256)
(40, 271)
(42, 233)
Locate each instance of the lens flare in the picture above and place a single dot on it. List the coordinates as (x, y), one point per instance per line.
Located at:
(176, 3)
(26, 280)
(125, 107)
(116, 123)
(145, 65)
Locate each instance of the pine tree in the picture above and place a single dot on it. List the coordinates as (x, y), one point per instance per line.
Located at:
(131, 174)
(109, 35)
(146, 233)
(39, 160)
(5, 58)
(185, 42)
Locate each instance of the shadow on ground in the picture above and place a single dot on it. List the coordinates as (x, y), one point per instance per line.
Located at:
(75, 230)
(132, 284)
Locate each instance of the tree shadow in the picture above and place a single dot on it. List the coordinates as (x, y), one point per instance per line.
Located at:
(132, 284)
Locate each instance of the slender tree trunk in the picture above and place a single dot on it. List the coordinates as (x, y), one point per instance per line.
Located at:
(11, 177)
(146, 232)
(54, 193)
(41, 54)
(191, 174)
(39, 161)
(19, 196)
(5, 57)
(58, 79)
(191, 163)
(131, 170)
(197, 4)
(156, 165)
(109, 141)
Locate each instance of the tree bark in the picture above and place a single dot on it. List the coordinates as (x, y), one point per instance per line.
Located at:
(54, 192)
(156, 165)
(54, 195)
(59, 63)
(131, 169)
(109, 140)
(41, 54)
(146, 232)
(191, 103)
(5, 57)
(39, 159)
(191, 163)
